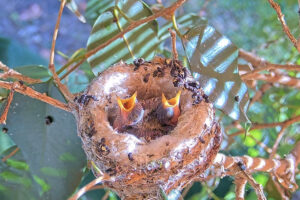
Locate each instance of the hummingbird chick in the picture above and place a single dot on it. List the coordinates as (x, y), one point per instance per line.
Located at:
(169, 111)
(130, 113)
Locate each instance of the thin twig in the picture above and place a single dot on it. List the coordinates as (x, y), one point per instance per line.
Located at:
(11, 154)
(275, 78)
(106, 195)
(6, 109)
(169, 11)
(64, 90)
(261, 64)
(23, 89)
(257, 187)
(269, 125)
(285, 28)
(90, 185)
(277, 141)
(279, 188)
(10, 73)
(260, 92)
(173, 38)
(186, 190)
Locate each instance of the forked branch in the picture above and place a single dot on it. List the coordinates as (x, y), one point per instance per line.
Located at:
(23, 89)
(10, 73)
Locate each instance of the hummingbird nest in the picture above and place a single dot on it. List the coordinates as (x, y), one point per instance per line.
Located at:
(149, 156)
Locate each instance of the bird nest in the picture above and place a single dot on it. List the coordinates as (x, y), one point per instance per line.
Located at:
(156, 149)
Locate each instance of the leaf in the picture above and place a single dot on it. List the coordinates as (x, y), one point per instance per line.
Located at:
(44, 145)
(34, 71)
(15, 182)
(5, 142)
(213, 61)
(184, 22)
(96, 7)
(140, 42)
(14, 54)
(72, 6)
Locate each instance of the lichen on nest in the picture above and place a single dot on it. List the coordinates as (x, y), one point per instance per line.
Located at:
(149, 151)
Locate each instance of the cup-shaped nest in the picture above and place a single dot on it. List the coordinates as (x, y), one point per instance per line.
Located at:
(147, 158)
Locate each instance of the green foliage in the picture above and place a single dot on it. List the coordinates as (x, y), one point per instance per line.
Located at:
(50, 163)
(213, 59)
(52, 151)
(140, 42)
(14, 54)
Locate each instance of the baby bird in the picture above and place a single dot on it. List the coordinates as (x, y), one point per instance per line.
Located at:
(130, 113)
(169, 111)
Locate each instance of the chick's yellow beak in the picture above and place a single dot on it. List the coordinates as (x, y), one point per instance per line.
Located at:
(126, 105)
(171, 103)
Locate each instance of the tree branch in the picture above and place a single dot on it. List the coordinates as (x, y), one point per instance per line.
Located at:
(5, 112)
(270, 125)
(240, 183)
(89, 186)
(64, 90)
(10, 73)
(285, 27)
(23, 89)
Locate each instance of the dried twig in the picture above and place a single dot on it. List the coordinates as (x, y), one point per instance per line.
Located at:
(275, 78)
(174, 50)
(270, 125)
(277, 141)
(64, 90)
(10, 73)
(5, 111)
(106, 195)
(285, 28)
(261, 64)
(89, 186)
(240, 183)
(257, 187)
(260, 92)
(23, 89)
(11, 154)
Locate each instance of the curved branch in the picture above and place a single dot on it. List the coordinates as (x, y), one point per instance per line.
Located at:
(64, 90)
(285, 27)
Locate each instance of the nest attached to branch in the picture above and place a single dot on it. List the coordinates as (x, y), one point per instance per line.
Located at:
(143, 161)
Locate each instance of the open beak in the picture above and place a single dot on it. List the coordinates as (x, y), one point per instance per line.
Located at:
(131, 112)
(171, 106)
(127, 105)
(171, 103)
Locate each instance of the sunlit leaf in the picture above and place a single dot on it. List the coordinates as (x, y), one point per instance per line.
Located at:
(95, 8)
(213, 60)
(139, 42)
(43, 144)
(184, 22)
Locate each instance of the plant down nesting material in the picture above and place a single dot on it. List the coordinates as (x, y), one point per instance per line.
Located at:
(147, 155)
